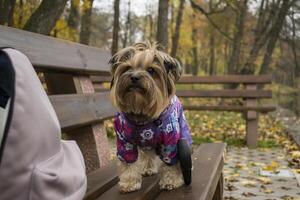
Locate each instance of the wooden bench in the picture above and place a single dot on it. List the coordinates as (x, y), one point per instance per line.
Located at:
(65, 69)
(248, 93)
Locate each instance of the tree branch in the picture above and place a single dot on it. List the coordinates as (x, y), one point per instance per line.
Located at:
(207, 15)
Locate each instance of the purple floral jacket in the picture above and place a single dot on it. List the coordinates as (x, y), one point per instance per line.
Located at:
(162, 134)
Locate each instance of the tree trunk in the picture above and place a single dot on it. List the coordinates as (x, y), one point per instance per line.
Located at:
(172, 20)
(263, 28)
(115, 39)
(86, 20)
(176, 35)
(274, 34)
(127, 27)
(296, 71)
(212, 52)
(151, 24)
(74, 17)
(195, 65)
(44, 18)
(162, 24)
(7, 12)
(233, 64)
(21, 14)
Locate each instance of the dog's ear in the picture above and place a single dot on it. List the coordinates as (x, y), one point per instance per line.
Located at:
(120, 57)
(172, 65)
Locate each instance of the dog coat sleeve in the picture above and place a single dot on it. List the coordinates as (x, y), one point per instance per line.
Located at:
(168, 151)
(184, 128)
(126, 151)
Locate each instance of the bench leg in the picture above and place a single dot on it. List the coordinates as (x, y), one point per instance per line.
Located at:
(218, 195)
(93, 143)
(92, 139)
(251, 132)
(251, 119)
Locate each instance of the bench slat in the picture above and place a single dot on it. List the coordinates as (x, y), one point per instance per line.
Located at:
(50, 54)
(226, 79)
(208, 164)
(225, 93)
(252, 79)
(150, 190)
(101, 180)
(77, 110)
(101, 79)
(231, 108)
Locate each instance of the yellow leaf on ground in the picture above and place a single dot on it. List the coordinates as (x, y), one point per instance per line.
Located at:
(273, 167)
(248, 183)
(264, 180)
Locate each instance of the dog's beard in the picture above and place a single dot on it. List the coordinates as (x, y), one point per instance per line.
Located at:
(144, 101)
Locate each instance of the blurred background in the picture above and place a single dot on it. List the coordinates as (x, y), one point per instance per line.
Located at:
(209, 37)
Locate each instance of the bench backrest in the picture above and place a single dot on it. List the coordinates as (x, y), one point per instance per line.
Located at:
(65, 70)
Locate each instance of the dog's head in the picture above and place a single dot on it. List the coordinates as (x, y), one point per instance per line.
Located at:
(143, 80)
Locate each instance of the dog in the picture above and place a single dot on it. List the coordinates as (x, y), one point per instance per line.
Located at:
(150, 119)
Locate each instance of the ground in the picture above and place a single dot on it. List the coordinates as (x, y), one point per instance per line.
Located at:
(259, 174)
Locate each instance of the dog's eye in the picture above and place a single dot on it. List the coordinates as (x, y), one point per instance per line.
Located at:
(150, 70)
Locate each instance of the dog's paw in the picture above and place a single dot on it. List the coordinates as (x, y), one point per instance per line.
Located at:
(149, 171)
(163, 185)
(171, 178)
(167, 187)
(129, 186)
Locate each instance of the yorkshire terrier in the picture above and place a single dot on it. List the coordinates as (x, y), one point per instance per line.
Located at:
(150, 119)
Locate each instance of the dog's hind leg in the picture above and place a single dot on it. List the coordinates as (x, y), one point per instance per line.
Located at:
(149, 166)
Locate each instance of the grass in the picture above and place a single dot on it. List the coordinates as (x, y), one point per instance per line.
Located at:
(235, 142)
(267, 144)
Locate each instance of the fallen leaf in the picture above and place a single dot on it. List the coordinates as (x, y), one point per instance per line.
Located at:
(248, 183)
(249, 194)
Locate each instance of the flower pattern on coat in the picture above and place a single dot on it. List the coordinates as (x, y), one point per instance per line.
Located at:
(147, 134)
(162, 137)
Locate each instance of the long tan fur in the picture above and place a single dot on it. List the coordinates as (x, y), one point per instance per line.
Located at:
(157, 72)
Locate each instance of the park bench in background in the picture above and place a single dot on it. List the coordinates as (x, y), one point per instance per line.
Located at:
(249, 93)
(66, 69)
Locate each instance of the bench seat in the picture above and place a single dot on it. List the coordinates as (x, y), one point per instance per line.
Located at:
(206, 184)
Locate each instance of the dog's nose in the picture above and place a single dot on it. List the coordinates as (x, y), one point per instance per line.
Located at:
(135, 78)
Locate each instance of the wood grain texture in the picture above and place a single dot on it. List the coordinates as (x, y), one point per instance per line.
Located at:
(77, 110)
(51, 54)
(231, 108)
(225, 93)
(208, 165)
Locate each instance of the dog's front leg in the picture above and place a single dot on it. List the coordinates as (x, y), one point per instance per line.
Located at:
(171, 177)
(130, 177)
